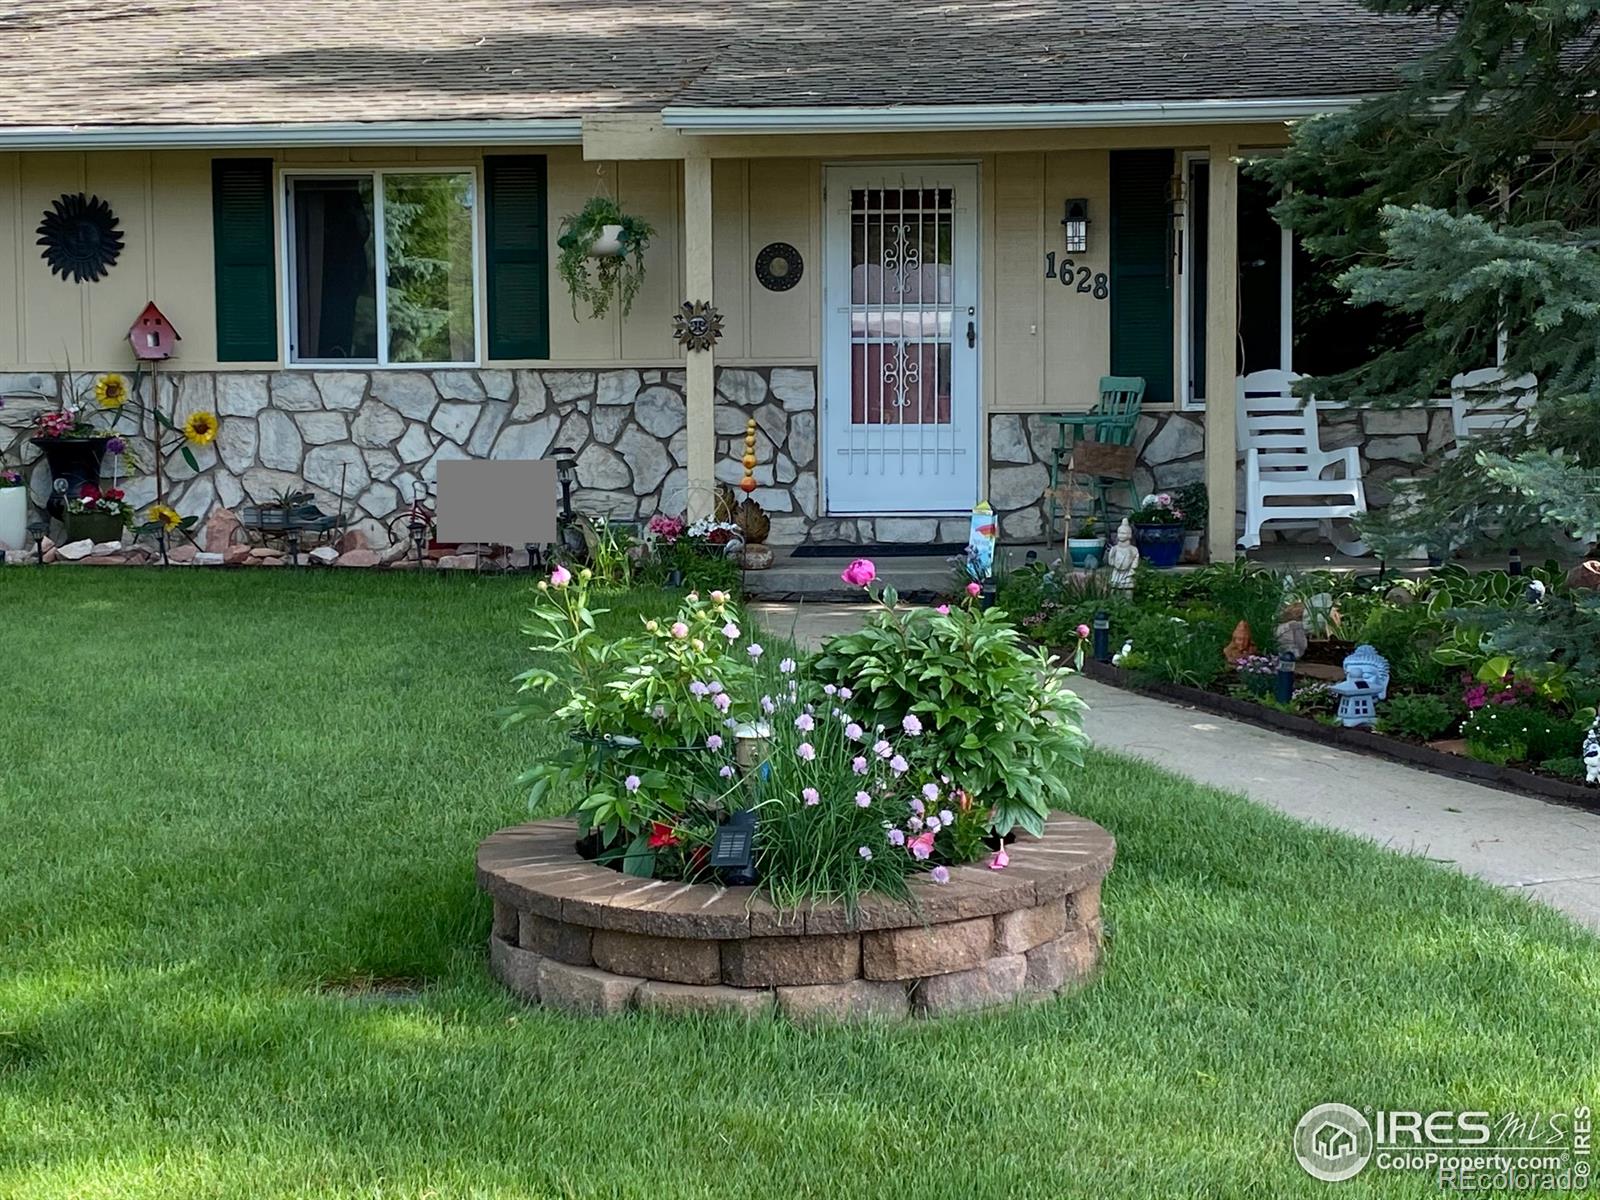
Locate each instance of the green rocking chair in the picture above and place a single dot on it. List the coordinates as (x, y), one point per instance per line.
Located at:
(1110, 423)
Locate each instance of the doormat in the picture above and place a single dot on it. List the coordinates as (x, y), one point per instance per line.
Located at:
(874, 550)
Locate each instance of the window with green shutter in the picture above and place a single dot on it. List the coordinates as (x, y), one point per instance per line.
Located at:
(246, 289)
(517, 256)
(1141, 279)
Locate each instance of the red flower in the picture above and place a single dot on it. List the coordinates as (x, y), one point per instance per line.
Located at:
(662, 834)
(89, 492)
(112, 494)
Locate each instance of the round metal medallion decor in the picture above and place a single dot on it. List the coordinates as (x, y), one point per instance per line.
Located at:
(697, 326)
(80, 238)
(779, 266)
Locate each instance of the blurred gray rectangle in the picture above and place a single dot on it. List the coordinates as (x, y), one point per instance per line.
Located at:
(510, 503)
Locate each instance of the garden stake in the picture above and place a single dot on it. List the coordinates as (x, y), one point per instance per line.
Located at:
(1102, 636)
(1283, 692)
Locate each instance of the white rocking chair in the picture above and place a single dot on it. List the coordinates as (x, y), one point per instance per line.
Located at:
(1284, 462)
(1486, 402)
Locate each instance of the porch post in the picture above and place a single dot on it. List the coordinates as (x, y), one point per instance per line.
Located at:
(1222, 339)
(700, 370)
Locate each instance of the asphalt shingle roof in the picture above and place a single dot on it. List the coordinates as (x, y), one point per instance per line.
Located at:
(110, 62)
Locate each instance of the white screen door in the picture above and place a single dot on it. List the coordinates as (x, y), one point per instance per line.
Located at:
(900, 377)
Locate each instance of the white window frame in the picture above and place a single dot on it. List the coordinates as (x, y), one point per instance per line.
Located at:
(1187, 400)
(286, 178)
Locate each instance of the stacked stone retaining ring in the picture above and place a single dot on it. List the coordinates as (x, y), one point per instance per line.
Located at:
(582, 938)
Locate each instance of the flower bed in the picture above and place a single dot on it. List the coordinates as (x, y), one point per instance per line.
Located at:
(900, 769)
(1500, 673)
(575, 936)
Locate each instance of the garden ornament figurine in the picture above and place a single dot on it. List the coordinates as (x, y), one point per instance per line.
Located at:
(1123, 558)
(1366, 681)
(1591, 753)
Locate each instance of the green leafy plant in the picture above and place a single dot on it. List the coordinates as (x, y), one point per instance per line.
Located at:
(597, 280)
(1566, 767)
(998, 717)
(1194, 501)
(1422, 715)
(1407, 635)
(1180, 650)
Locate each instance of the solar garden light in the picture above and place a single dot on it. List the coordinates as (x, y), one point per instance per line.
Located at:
(750, 743)
(1283, 689)
(1514, 562)
(292, 537)
(36, 531)
(417, 526)
(733, 849)
(1102, 636)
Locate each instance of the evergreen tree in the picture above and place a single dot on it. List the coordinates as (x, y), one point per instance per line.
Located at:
(1467, 206)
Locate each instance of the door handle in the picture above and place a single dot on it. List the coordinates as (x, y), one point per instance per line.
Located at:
(972, 335)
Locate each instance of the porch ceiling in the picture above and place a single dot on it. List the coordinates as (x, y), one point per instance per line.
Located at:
(197, 63)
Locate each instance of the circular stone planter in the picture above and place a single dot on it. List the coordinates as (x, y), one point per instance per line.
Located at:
(586, 939)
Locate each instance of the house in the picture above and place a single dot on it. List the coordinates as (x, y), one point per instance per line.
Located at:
(907, 169)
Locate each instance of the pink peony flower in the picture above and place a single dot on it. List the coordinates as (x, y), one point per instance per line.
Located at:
(859, 573)
(974, 588)
(560, 577)
(922, 846)
(806, 751)
(1000, 861)
(943, 610)
(680, 630)
(1083, 631)
(940, 874)
(811, 796)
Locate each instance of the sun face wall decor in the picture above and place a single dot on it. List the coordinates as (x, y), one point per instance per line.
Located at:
(80, 238)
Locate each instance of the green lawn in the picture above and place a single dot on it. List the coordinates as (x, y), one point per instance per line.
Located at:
(225, 798)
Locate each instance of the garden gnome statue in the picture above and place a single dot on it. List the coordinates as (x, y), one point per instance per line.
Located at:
(1591, 753)
(1123, 558)
(1366, 680)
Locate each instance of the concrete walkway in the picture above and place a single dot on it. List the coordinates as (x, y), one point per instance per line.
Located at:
(1517, 842)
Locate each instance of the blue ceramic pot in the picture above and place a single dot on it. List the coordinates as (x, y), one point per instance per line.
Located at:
(1159, 545)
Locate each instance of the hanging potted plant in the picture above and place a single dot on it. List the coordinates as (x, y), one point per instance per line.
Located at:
(13, 510)
(1158, 530)
(602, 256)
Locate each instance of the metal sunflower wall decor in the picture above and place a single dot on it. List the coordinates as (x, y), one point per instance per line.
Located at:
(80, 238)
(697, 326)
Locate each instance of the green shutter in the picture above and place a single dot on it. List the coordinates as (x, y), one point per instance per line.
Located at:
(517, 256)
(241, 223)
(1141, 282)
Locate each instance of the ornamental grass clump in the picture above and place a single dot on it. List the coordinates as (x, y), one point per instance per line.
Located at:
(997, 714)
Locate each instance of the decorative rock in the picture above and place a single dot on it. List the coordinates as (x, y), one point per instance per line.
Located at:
(1179, 438)
(376, 425)
(1016, 932)
(1068, 960)
(599, 467)
(756, 558)
(74, 551)
(221, 529)
(984, 986)
(320, 428)
(101, 549)
(458, 562)
(1083, 907)
(280, 444)
(324, 555)
(182, 555)
(350, 539)
(357, 558)
(554, 939)
(1024, 525)
(926, 950)
(584, 990)
(455, 419)
(767, 961)
(677, 960)
(1585, 577)
(516, 968)
(682, 998)
(1017, 487)
(459, 385)
(1008, 440)
(795, 389)
(410, 392)
(294, 391)
(857, 1000)
(617, 387)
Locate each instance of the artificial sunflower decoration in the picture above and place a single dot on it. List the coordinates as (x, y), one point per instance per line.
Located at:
(164, 515)
(111, 390)
(201, 428)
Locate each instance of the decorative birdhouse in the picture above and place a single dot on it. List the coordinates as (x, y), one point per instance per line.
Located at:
(1365, 682)
(152, 335)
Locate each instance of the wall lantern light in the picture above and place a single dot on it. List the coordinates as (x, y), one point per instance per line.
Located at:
(1076, 223)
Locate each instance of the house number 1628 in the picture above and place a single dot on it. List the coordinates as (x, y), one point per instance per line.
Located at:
(1080, 279)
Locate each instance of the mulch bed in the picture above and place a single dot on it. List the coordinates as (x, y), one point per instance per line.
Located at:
(1361, 741)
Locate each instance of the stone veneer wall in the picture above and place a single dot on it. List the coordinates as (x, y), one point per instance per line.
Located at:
(384, 431)
(1171, 453)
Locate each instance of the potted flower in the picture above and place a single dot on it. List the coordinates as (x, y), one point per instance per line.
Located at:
(1192, 500)
(1088, 546)
(1158, 529)
(13, 510)
(602, 256)
(97, 514)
